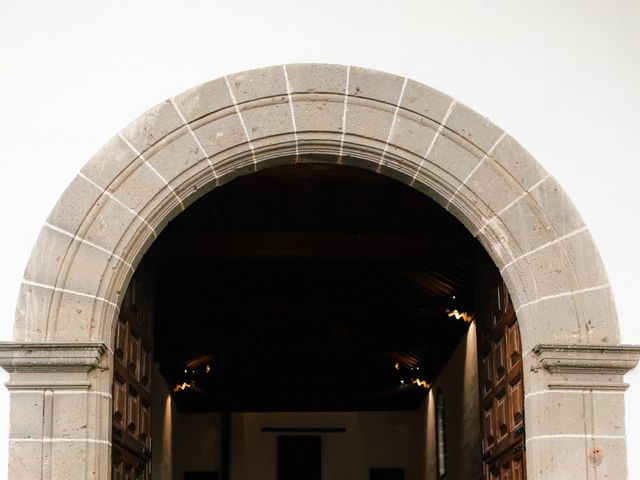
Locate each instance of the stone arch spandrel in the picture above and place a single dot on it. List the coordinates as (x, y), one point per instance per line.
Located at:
(180, 149)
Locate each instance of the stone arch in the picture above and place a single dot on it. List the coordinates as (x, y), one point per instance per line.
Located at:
(182, 148)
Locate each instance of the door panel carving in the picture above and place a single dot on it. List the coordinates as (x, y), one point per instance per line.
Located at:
(131, 383)
(500, 372)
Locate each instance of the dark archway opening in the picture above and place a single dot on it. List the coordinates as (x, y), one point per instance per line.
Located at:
(301, 288)
(308, 310)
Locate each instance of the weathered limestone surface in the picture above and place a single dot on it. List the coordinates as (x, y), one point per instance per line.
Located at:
(60, 419)
(177, 151)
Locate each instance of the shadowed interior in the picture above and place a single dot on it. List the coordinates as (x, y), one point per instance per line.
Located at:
(309, 288)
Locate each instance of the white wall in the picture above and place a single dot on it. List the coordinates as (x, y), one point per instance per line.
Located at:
(562, 77)
(459, 383)
(371, 439)
(163, 433)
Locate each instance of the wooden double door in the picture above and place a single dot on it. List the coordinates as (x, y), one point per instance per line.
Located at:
(131, 427)
(500, 381)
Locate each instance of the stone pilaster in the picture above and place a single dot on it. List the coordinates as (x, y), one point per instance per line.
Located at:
(575, 411)
(60, 410)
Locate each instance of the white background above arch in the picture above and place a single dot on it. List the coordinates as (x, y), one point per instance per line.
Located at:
(559, 77)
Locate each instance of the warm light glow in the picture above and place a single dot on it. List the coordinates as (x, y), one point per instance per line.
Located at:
(422, 383)
(460, 315)
(184, 386)
(397, 366)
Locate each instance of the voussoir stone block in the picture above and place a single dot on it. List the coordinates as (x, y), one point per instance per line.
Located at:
(314, 115)
(518, 162)
(474, 128)
(317, 78)
(557, 208)
(32, 311)
(456, 158)
(139, 187)
(544, 272)
(493, 185)
(47, 256)
(220, 132)
(269, 119)
(412, 133)
(175, 154)
(256, 84)
(369, 121)
(585, 260)
(109, 226)
(87, 268)
(552, 320)
(152, 126)
(106, 164)
(79, 198)
(527, 225)
(204, 100)
(426, 101)
(378, 86)
(73, 317)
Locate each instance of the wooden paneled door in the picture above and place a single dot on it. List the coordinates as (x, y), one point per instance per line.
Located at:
(132, 382)
(500, 377)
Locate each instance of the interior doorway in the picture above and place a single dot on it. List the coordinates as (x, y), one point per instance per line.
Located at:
(316, 304)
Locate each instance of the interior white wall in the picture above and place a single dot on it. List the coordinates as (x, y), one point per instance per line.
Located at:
(561, 77)
(163, 434)
(458, 381)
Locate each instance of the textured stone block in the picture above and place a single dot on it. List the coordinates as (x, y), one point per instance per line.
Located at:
(70, 412)
(152, 126)
(109, 162)
(267, 120)
(454, 157)
(518, 162)
(26, 415)
(412, 133)
(318, 116)
(553, 320)
(425, 101)
(545, 272)
(47, 256)
(73, 317)
(379, 86)
(585, 260)
(317, 78)
(204, 100)
(77, 201)
(175, 154)
(528, 227)
(32, 311)
(256, 84)
(473, 127)
(492, 184)
(26, 460)
(220, 133)
(139, 187)
(110, 225)
(87, 268)
(557, 207)
(366, 121)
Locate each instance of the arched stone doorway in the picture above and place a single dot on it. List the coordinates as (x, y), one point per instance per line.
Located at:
(179, 150)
